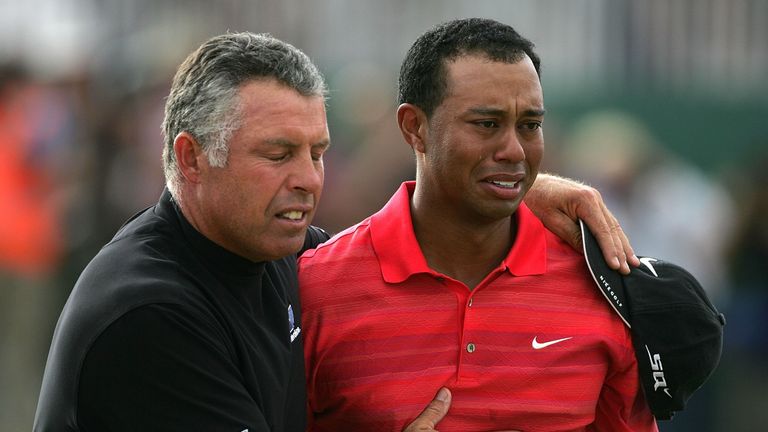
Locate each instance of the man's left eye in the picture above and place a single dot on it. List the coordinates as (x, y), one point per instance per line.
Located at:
(488, 124)
(532, 125)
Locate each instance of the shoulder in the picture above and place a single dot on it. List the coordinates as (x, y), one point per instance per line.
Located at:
(568, 274)
(341, 245)
(315, 236)
(345, 262)
(559, 250)
(568, 277)
(131, 271)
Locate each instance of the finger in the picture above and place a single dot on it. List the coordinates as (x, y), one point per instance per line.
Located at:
(594, 213)
(631, 259)
(626, 246)
(626, 253)
(432, 414)
(617, 235)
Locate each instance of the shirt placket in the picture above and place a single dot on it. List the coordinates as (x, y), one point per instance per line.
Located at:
(468, 313)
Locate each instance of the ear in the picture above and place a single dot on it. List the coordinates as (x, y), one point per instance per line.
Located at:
(189, 156)
(413, 125)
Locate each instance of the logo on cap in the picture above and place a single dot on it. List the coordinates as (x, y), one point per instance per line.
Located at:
(658, 372)
(647, 261)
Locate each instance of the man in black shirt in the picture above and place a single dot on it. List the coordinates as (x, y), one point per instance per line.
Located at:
(189, 318)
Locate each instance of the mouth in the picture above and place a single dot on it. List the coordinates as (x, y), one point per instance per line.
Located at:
(292, 215)
(505, 184)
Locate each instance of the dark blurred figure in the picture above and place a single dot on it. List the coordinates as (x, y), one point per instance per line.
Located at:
(745, 359)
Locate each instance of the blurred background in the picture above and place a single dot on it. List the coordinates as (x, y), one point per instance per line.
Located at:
(661, 104)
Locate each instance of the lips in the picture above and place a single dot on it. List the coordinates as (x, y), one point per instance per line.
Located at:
(505, 180)
(504, 186)
(295, 213)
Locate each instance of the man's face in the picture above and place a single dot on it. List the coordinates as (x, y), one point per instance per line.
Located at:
(260, 204)
(484, 142)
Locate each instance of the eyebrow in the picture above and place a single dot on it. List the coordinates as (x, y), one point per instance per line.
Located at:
(536, 112)
(282, 142)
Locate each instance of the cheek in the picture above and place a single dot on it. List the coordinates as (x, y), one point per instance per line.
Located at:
(534, 154)
(321, 173)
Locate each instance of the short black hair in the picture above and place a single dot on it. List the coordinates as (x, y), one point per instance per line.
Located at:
(423, 75)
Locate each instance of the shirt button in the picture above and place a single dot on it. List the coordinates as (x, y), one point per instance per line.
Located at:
(470, 347)
(470, 302)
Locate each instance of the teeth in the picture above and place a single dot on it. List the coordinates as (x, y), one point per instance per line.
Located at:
(292, 215)
(504, 184)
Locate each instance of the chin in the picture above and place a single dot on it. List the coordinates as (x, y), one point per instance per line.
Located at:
(276, 249)
(290, 247)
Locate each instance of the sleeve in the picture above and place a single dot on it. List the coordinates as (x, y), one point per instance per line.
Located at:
(312, 332)
(622, 406)
(315, 236)
(160, 367)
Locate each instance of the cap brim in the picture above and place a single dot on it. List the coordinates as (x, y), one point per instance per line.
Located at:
(608, 281)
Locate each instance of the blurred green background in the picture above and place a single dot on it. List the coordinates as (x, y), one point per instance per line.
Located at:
(661, 104)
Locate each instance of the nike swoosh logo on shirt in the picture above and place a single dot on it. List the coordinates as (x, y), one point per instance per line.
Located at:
(539, 345)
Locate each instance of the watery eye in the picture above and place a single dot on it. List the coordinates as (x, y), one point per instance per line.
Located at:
(532, 125)
(488, 124)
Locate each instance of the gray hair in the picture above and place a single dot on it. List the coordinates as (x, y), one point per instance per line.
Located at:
(204, 95)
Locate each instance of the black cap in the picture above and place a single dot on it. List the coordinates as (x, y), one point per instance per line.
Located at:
(676, 330)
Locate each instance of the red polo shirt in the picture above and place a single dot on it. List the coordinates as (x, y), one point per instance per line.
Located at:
(534, 347)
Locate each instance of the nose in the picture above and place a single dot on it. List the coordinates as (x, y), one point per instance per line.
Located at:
(510, 149)
(307, 174)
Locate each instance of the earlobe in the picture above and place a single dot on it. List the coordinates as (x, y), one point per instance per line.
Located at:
(189, 156)
(412, 122)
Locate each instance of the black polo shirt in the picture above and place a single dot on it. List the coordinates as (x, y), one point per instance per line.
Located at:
(165, 330)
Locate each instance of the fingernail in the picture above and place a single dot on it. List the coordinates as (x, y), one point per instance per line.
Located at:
(443, 394)
(615, 263)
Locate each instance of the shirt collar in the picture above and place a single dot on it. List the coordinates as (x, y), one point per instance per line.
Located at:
(400, 255)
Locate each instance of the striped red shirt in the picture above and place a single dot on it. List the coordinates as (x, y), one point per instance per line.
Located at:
(534, 347)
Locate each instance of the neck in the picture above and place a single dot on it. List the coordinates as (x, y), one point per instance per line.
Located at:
(462, 249)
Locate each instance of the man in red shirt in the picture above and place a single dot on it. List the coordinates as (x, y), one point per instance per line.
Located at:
(455, 283)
